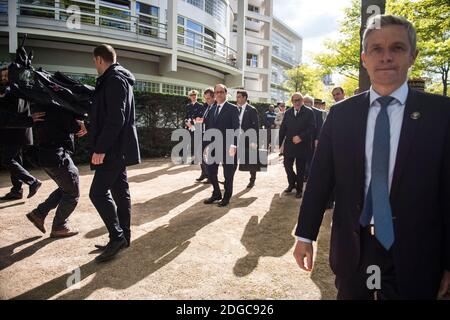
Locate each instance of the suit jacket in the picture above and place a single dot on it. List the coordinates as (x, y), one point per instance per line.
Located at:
(318, 117)
(419, 194)
(193, 111)
(112, 129)
(228, 118)
(249, 121)
(304, 126)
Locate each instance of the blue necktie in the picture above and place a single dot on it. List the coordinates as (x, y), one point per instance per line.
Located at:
(377, 198)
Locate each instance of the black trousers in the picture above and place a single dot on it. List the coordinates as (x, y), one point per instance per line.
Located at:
(11, 159)
(65, 197)
(110, 195)
(228, 172)
(295, 179)
(356, 286)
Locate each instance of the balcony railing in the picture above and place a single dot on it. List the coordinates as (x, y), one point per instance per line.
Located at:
(199, 44)
(92, 16)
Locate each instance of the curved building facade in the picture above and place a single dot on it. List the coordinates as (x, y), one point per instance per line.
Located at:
(172, 46)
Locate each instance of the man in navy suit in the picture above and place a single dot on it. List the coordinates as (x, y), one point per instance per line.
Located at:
(223, 116)
(387, 152)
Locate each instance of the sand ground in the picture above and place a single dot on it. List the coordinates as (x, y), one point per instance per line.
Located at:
(181, 248)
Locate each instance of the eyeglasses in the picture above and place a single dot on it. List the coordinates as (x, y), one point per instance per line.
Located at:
(296, 100)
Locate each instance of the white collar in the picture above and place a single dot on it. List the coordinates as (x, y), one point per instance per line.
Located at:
(400, 94)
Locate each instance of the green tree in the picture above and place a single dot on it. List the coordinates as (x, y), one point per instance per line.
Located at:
(306, 79)
(342, 56)
(431, 18)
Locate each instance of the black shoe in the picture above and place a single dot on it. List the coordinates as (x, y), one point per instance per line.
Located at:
(201, 178)
(111, 250)
(299, 194)
(34, 187)
(12, 196)
(207, 181)
(251, 184)
(223, 203)
(212, 199)
(102, 248)
(289, 189)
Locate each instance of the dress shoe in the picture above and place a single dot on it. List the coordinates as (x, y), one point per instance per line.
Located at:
(251, 184)
(34, 187)
(201, 178)
(36, 220)
(111, 250)
(63, 233)
(12, 196)
(102, 248)
(223, 203)
(212, 199)
(289, 189)
(207, 181)
(299, 194)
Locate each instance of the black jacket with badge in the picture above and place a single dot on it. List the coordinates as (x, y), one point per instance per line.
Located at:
(112, 127)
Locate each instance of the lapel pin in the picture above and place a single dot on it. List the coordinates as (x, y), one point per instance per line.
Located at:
(415, 115)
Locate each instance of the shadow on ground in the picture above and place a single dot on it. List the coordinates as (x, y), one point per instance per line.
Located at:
(146, 255)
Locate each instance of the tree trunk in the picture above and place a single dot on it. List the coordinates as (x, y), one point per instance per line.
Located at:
(367, 10)
(445, 80)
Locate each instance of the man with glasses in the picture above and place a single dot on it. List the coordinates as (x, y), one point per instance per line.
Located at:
(296, 131)
(223, 116)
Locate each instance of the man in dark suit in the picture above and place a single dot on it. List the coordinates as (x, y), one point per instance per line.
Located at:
(296, 132)
(249, 123)
(208, 97)
(12, 141)
(387, 151)
(114, 146)
(222, 117)
(194, 110)
(318, 119)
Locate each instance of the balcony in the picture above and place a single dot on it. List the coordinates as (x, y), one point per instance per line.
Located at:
(91, 18)
(204, 46)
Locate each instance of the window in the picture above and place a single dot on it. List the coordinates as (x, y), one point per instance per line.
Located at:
(148, 19)
(216, 8)
(253, 8)
(252, 60)
(146, 86)
(173, 89)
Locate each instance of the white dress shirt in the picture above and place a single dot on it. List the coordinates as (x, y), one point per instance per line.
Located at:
(241, 115)
(395, 112)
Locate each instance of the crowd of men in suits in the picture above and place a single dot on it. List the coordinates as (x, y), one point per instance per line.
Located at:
(383, 157)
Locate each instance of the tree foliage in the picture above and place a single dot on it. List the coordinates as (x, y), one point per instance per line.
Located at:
(431, 18)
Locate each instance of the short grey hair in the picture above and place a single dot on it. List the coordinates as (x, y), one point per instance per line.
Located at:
(309, 98)
(379, 21)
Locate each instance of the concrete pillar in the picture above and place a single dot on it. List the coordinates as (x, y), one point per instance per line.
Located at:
(169, 63)
(12, 26)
